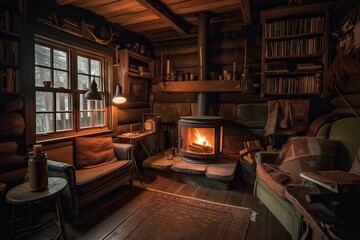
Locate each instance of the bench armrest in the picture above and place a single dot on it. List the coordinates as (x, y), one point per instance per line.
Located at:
(67, 171)
(266, 157)
(124, 151)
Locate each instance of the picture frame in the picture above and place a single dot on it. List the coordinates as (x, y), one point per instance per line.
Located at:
(138, 89)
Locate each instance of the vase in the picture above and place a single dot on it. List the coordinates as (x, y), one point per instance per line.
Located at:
(38, 172)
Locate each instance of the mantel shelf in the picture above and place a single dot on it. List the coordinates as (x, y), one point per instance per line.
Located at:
(198, 86)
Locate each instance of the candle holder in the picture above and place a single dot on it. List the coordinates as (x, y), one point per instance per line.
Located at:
(37, 172)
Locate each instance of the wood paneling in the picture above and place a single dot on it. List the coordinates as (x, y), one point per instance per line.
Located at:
(145, 16)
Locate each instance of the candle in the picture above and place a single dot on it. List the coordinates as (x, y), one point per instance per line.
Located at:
(168, 66)
(161, 63)
(245, 47)
(234, 66)
(37, 150)
(201, 59)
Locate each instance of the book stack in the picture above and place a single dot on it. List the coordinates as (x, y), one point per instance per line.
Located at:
(308, 67)
(8, 79)
(295, 26)
(296, 46)
(336, 181)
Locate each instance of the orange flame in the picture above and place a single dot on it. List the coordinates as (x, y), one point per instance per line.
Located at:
(201, 139)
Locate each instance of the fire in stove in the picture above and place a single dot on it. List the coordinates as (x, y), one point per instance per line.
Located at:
(201, 145)
(200, 138)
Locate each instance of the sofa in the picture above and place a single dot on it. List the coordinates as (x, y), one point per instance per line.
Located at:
(93, 167)
(269, 184)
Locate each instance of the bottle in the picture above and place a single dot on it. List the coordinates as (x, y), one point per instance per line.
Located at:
(37, 170)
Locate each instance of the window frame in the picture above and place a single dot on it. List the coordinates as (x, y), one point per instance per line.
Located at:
(74, 51)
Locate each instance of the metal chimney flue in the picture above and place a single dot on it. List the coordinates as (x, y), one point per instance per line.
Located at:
(203, 30)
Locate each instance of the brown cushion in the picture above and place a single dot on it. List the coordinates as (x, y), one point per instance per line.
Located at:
(355, 169)
(90, 152)
(91, 178)
(277, 180)
(308, 154)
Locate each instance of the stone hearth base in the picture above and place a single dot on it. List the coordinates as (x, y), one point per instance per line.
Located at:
(215, 175)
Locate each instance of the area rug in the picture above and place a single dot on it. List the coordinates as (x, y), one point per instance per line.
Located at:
(161, 215)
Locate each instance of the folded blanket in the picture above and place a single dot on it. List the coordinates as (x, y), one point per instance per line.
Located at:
(287, 117)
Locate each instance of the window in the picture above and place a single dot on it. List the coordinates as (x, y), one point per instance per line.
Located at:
(61, 109)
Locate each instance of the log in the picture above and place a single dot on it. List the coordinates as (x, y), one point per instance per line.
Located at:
(11, 124)
(11, 103)
(207, 148)
(8, 148)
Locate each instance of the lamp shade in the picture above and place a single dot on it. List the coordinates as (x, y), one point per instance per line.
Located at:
(119, 96)
(92, 93)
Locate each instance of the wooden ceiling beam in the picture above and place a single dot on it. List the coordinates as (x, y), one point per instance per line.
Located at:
(245, 8)
(165, 14)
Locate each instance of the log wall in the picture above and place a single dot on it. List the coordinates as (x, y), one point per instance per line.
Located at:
(13, 165)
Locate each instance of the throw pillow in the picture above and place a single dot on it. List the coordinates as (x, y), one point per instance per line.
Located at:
(309, 154)
(90, 152)
(355, 168)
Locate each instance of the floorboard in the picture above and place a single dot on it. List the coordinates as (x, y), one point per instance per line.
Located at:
(218, 196)
(257, 230)
(266, 226)
(201, 192)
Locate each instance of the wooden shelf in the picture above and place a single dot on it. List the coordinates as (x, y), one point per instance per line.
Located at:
(292, 73)
(295, 56)
(198, 86)
(304, 35)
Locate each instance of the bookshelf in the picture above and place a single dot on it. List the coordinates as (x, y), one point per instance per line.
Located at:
(295, 50)
(10, 27)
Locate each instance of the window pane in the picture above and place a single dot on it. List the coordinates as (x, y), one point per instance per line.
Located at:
(99, 104)
(42, 55)
(60, 79)
(64, 121)
(99, 118)
(99, 84)
(83, 65)
(95, 67)
(83, 82)
(60, 59)
(44, 123)
(63, 102)
(41, 74)
(86, 119)
(44, 101)
(85, 104)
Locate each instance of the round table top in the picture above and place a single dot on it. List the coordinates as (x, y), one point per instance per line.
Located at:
(21, 194)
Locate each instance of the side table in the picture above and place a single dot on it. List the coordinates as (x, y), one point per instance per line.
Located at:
(20, 195)
(134, 138)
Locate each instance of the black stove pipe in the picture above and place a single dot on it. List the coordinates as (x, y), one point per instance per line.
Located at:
(203, 30)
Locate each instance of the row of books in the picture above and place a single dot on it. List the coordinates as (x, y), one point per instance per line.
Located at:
(308, 67)
(9, 22)
(299, 84)
(298, 46)
(9, 52)
(8, 79)
(295, 26)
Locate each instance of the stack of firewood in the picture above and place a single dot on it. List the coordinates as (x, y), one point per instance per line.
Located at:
(248, 152)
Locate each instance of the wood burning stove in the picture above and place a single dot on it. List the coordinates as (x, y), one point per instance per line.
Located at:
(200, 138)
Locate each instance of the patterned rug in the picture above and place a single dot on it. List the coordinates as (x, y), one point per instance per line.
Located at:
(161, 215)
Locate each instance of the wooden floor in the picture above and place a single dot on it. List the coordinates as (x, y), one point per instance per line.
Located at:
(240, 194)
